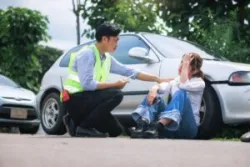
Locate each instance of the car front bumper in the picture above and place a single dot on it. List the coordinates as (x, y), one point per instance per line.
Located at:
(235, 103)
(6, 106)
(11, 122)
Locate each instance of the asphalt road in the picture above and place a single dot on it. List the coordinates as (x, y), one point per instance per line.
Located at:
(63, 151)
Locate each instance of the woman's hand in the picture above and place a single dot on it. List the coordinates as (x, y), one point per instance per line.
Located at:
(152, 94)
(187, 58)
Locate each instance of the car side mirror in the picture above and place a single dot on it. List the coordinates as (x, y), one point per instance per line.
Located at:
(141, 54)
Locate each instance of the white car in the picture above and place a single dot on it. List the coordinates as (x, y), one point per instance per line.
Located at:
(226, 97)
(18, 107)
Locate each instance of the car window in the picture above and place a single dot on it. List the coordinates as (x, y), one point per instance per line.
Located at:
(7, 82)
(125, 43)
(65, 61)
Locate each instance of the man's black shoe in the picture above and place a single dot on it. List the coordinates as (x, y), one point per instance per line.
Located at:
(245, 137)
(89, 132)
(69, 125)
(141, 126)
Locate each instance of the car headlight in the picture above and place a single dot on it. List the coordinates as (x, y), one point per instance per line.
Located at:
(239, 78)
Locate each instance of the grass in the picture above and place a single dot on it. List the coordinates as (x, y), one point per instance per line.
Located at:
(230, 133)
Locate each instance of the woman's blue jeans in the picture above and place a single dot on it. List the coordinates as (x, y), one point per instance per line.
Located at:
(179, 110)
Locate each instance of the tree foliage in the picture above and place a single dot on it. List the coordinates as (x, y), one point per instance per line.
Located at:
(21, 30)
(47, 56)
(131, 15)
(222, 26)
(177, 14)
(220, 38)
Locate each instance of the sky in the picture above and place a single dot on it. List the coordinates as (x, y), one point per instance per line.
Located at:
(62, 20)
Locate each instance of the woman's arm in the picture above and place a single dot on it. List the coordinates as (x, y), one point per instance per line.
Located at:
(159, 88)
(185, 68)
(195, 84)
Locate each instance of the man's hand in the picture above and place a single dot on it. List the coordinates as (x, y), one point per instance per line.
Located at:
(152, 94)
(121, 83)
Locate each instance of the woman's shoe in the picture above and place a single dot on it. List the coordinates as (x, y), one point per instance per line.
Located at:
(155, 130)
(151, 132)
(142, 125)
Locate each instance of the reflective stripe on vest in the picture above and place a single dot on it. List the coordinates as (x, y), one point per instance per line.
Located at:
(101, 70)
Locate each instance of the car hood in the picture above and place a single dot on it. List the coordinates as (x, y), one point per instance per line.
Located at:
(221, 70)
(16, 93)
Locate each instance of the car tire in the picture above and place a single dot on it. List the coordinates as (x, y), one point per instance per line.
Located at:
(211, 123)
(58, 128)
(29, 129)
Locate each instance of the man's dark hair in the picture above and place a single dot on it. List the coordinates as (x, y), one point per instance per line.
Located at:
(107, 29)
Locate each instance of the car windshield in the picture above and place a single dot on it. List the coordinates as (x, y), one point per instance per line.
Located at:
(171, 47)
(7, 82)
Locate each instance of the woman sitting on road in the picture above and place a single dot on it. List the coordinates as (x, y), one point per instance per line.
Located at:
(180, 118)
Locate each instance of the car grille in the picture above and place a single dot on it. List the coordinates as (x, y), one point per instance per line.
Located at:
(5, 111)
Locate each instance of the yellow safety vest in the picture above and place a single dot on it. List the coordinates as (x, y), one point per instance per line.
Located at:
(101, 70)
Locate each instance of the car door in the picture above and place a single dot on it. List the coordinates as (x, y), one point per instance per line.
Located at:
(135, 90)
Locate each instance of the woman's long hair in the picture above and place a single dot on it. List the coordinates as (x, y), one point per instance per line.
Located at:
(196, 64)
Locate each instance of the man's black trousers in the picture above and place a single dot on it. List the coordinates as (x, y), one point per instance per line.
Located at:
(92, 109)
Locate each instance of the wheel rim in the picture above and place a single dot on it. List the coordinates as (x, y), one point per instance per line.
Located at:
(202, 111)
(50, 113)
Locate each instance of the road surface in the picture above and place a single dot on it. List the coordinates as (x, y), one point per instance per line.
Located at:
(63, 151)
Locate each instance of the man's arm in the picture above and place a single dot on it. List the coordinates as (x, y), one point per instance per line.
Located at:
(118, 68)
(148, 77)
(119, 84)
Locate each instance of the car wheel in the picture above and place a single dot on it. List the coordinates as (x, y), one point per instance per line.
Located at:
(29, 129)
(210, 114)
(51, 115)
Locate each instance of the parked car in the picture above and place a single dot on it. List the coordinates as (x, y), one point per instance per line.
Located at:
(226, 99)
(17, 107)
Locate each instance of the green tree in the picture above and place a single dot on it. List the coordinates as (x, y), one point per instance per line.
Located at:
(220, 38)
(222, 26)
(21, 30)
(47, 56)
(131, 15)
(177, 14)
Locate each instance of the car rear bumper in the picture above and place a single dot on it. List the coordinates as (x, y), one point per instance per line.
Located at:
(235, 103)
